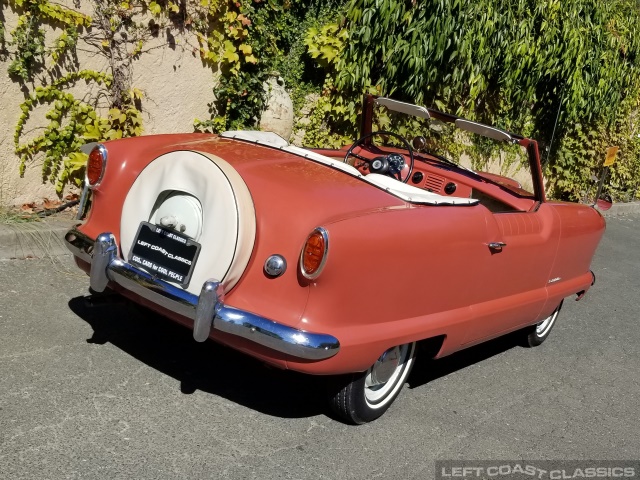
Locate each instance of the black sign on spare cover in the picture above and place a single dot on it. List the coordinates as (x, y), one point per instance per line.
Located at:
(164, 253)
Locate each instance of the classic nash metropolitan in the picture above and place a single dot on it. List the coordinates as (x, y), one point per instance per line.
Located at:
(334, 262)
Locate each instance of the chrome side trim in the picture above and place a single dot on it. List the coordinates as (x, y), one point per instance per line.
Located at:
(207, 310)
(83, 200)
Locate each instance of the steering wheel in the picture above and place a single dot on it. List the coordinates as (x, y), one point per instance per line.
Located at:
(387, 164)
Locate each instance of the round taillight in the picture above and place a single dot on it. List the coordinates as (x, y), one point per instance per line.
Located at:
(314, 253)
(96, 165)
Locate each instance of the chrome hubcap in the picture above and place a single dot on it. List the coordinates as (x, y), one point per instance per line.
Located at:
(386, 377)
(544, 326)
(384, 367)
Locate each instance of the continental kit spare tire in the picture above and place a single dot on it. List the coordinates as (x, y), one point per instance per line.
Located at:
(206, 199)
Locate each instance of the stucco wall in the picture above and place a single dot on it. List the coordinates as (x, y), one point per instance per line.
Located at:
(177, 88)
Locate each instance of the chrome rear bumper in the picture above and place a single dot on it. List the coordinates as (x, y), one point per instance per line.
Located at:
(206, 310)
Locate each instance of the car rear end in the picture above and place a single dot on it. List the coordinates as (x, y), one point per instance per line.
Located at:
(213, 233)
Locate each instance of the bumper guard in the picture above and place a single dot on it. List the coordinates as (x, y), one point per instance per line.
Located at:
(206, 310)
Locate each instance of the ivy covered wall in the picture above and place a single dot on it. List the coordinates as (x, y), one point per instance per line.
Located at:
(57, 64)
(517, 64)
(74, 72)
(92, 70)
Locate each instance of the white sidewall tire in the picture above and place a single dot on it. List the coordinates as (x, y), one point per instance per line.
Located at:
(538, 333)
(348, 397)
(390, 390)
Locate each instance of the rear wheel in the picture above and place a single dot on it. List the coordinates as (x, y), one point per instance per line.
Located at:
(536, 334)
(362, 397)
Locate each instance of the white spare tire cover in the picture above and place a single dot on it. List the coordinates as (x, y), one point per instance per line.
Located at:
(229, 221)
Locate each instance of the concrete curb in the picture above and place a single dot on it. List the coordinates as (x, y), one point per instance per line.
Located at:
(34, 239)
(45, 239)
(618, 209)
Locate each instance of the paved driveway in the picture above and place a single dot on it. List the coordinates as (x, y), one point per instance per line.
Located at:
(111, 391)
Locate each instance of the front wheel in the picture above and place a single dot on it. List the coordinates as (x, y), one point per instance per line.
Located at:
(362, 397)
(536, 334)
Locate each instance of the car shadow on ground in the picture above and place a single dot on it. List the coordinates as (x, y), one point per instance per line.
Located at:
(210, 367)
(426, 369)
(169, 348)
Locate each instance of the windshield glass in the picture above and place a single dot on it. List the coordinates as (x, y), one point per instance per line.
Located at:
(464, 144)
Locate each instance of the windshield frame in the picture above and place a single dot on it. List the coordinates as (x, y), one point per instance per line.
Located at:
(530, 145)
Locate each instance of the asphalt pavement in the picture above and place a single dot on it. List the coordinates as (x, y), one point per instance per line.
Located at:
(97, 388)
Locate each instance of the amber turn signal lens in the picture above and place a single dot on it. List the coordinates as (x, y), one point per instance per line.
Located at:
(96, 165)
(314, 253)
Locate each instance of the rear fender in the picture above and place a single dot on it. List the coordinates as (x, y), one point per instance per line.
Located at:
(395, 277)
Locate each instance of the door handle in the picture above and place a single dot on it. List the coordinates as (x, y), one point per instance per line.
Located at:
(497, 245)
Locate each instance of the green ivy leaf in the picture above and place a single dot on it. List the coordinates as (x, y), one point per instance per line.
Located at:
(155, 8)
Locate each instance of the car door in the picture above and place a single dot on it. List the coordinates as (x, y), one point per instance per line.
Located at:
(520, 250)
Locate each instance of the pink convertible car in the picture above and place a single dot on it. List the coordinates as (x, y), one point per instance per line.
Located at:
(335, 262)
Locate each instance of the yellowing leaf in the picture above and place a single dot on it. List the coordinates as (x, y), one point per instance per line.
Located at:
(76, 161)
(92, 133)
(113, 134)
(230, 57)
(230, 54)
(328, 52)
(246, 49)
(155, 8)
